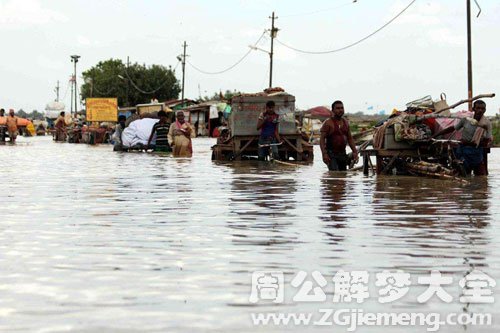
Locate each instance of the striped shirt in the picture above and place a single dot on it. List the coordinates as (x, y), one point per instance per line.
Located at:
(161, 131)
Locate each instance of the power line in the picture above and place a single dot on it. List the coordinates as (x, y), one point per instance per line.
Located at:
(66, 91)
(232, 66)
(142, 91)
(94, 87)
(178, 62)
(139, 89)
(353, 44)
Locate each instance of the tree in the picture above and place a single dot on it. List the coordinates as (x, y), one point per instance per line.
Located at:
(132, 85)
(36, 115)
(21, 113)
(218, 96)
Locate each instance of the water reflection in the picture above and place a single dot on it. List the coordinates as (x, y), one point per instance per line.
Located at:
(423, 203)
(262, 205)
(418, 216)
(333, 206)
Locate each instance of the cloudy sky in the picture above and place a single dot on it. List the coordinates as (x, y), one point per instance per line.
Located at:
(423, 52)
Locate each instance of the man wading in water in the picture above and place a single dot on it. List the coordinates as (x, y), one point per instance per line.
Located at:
(161, 130)
(476, 134)
(117, 135)
(335, 135)
(3, 127)
(269, 131)
(11, 123)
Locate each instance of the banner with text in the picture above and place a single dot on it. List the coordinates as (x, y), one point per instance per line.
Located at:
(102, 109)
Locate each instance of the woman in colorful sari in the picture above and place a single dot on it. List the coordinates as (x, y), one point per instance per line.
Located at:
(179, 137)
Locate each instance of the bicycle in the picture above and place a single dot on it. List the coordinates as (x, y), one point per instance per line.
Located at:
(269, 155)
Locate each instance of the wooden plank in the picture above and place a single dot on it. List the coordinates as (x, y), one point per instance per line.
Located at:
(237, 156)
(299, 145)
(389, 165)
(291, 145)
(390, 153)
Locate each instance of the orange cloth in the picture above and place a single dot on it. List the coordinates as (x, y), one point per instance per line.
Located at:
(20, 121)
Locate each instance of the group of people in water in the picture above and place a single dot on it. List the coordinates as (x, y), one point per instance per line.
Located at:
(175, 135)
(336, 135)
(167, 135)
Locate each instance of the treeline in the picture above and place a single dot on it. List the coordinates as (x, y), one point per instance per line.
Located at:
(132, 84)
(34, 115)
(219, 96)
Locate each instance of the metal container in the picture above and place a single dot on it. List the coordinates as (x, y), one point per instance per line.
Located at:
(391, 143)
(247, 108)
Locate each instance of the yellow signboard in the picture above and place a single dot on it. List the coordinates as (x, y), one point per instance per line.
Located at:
(102, 109)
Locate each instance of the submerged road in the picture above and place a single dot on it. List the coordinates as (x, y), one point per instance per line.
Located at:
(97, 241)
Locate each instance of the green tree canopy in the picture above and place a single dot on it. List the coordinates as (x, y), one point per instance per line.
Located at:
(132, 85)
(218, 96)
(21, 113)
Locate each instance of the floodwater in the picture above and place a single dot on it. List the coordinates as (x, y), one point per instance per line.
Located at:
(97, 241)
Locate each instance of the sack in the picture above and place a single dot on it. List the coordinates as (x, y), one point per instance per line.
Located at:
(441, 105)
(138, 132)
(422, 103)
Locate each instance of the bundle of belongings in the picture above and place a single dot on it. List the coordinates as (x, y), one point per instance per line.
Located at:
(422, 120)
(425, 122)
(89, 134)
(136, 135)
(401, 127)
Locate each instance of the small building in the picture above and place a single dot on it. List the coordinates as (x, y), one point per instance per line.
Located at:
(127, 111)
(179, 104)
(205, 117)
(143, 109)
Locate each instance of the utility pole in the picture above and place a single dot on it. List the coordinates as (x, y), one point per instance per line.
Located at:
(469, 54)
(71, 104)
(274, 32)
(57, 92)
(128, 81)
(74, 60)
(183, 69)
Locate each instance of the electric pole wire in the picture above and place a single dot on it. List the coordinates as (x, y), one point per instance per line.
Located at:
(352, 44)
(232, 66)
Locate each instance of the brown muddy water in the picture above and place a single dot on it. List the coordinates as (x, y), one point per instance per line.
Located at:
(97, 241)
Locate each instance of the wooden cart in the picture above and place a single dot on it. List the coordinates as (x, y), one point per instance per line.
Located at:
(240, 140)
(246, 147)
